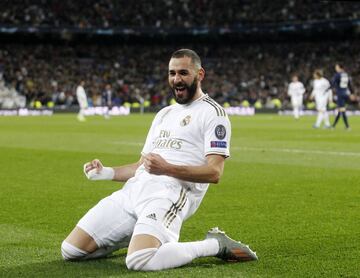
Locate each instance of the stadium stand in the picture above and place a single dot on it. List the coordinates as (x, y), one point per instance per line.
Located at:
(183, 13)
(239, 72)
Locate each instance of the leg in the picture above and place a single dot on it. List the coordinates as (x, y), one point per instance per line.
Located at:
(296, 108)
(319, 119)
(77, 245)
(326, 119)
(296, 112)
(82, 240)
(107, 113)
(341, 108)
(154, 243)
(104, 229)
(81, 115)
(336, 118)
(345, 118)
(174, 254)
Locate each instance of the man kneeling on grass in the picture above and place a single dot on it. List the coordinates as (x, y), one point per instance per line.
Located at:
(185, 150)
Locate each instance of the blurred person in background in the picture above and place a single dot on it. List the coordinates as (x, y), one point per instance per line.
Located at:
(82, 100)
(296, 91)
(323, 95)
(107, 100)
(342, 86)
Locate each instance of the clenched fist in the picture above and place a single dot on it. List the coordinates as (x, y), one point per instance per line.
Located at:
(155, 164)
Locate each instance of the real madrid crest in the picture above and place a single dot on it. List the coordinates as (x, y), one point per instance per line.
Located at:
(185, 121)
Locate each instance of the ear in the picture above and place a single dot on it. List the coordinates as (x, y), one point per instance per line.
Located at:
(201, 74)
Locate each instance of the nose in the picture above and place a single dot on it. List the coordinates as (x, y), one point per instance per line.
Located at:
(177, 78)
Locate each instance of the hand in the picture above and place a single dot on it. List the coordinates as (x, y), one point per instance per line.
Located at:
(155, 164)
(94, 170)
(95, 164)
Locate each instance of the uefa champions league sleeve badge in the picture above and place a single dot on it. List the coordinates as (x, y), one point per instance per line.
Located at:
(220, 132)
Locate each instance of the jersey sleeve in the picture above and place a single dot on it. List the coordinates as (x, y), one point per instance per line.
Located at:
(217, 135)
(327, 85)
(290, 90)
(335, 81)
(302, 88)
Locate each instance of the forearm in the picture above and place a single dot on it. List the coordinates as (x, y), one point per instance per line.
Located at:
(123, 173)
(201, 174)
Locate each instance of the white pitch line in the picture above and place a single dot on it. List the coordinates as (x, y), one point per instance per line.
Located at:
(296, 151)
(268, 150)
(128, 143)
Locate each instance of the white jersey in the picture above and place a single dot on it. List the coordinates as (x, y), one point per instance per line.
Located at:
(321, 92)
(185, 135)
(296, 91)
(81, 97)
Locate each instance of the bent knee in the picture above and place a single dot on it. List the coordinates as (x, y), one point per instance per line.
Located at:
(138, 260)
(70, 252)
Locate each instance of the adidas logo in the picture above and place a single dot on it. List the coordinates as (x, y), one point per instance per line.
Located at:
(152, 216)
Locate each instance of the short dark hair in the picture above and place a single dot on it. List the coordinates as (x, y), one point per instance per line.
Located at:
(195, 58)
(319, 73)
(340, 65)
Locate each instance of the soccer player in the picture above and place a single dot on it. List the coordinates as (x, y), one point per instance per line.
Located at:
(342, 86)
(185, 150)
(323, 95)
(82, 100)
(296, 91)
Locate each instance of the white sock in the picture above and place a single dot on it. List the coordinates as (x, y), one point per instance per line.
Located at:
(319, 118)
(171, 255)
(296, 113)
(71, 252)
(326, 119)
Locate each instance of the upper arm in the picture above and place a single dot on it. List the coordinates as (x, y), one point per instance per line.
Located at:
(216, 161)
(216, 164)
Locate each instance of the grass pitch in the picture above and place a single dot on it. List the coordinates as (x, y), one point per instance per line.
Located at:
(291, 192)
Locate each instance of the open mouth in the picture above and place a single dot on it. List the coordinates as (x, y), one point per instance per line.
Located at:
(180, 89)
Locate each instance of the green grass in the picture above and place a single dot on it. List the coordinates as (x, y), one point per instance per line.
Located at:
(291, 192)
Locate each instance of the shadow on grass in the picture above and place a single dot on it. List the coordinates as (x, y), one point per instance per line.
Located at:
(112, 266)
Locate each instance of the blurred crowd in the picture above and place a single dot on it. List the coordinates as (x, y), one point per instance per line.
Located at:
(234, 73)
(170, 13)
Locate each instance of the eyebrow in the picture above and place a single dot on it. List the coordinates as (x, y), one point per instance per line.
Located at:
(180, 70)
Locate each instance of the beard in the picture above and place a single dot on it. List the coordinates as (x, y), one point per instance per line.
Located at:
(191, 90)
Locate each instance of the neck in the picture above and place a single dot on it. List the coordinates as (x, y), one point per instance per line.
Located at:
(199, 93)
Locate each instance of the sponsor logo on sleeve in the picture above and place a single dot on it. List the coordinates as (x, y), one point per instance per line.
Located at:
(218, 144)
(220, 132)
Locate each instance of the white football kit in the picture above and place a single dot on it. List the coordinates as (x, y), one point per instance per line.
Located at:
(321, 92)
(296, 91)
(158, 204)
(81, 97)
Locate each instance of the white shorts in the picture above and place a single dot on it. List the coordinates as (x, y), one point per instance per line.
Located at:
(321, 104)
(143, 206)
(296, 102)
